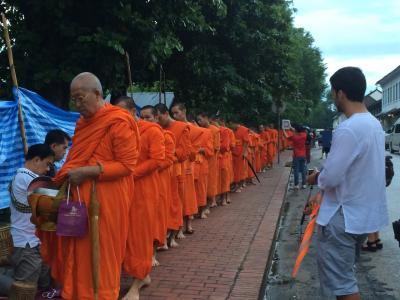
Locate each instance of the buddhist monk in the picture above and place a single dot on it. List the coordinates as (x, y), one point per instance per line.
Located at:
(232, 140)
(224, 175)
(240, 152)
(183, 150)
(274, 136)
(148, 113)
(266, 151)
(104, 149)
(251, 157)
(259, 149)
(168, 186)
(140, 254)
(213, 175)
(201, 179)
(178, 111)
(199, 138)
(232, 144)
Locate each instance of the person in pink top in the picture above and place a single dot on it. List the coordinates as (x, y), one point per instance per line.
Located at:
(298, 140)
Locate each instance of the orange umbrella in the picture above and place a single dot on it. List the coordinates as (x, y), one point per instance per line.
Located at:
(306, 241)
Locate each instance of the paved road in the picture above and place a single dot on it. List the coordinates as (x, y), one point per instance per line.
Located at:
(378, 273)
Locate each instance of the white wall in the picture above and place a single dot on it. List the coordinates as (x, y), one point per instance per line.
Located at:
(391, 95)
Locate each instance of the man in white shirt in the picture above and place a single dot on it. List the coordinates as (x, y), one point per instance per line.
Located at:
(353, 185)
(26, 259)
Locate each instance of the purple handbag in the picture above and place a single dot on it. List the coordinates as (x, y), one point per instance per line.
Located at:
(72, 217)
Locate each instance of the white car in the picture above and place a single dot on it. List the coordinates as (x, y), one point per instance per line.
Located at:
(393, 140)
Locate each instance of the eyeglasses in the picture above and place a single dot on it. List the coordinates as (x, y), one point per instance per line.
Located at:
(79, 100)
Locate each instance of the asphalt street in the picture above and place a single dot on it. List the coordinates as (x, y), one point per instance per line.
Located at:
(378, 273)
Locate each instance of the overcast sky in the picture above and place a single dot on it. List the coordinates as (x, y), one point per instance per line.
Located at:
(362, 33)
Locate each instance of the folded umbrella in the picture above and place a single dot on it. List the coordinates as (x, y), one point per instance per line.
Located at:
(306, 241)
(252, 169)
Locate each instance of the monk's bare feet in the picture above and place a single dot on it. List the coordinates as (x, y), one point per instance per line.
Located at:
(224, 202)
(207, 211)
(213, 204)
(133, 293)
(155, 262)
(180, 235)
(163, 248)
(173, 243)
(203, 214)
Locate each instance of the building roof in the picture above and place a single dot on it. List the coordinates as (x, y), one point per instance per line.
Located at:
(372, 98)
(388, 77)
(151, 98)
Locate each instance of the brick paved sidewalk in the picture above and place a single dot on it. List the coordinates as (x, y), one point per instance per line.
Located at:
(227, 256)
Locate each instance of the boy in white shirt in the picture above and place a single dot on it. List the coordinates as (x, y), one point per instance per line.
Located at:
(26, 259)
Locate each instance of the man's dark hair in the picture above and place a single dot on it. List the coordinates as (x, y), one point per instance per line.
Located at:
(351, 81)
(39, 150)
(298, 127)
(161, 108)
(56, 136)
(180, 105)
(151, 107)
(130, 103)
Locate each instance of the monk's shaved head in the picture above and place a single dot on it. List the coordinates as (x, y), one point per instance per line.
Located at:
(87, 94)
(178, 111)
(87, 81)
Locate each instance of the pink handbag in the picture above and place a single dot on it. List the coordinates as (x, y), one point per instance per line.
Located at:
(72, 217)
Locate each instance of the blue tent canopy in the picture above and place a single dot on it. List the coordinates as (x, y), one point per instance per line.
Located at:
(39, 117)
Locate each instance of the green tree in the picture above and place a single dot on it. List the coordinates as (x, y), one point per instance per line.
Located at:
(233, 57)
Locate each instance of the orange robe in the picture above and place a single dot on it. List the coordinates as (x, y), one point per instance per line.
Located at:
(232, 144)
(181, 132)
(259, 148)
(190, 206)
(144, 226)
(274, 142)
(239, 163)
(201, 166)
(213, 169)
(224, 165)
(165, 174)
(111, 138)
(266, 151)
(251, 155)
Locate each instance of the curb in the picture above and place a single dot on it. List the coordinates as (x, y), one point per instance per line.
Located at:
(251, 278)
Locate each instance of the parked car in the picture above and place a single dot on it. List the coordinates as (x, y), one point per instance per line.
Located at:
(394, 137)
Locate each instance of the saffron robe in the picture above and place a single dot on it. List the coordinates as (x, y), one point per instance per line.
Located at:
(201, 166)
(172, 216)
(143, 214)
(111, 138)
(181, 132)
(213, 169)
(224, 161)
(239, 163)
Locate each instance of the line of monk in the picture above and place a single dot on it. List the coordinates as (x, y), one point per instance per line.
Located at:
(155, 173)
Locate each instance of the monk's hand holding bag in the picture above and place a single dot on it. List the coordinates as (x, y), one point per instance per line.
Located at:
(72, 217)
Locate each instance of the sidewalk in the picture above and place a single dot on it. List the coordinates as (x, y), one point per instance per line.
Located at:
(227, 256)
(377, 273)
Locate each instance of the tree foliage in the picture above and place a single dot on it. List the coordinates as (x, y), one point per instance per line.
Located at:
(234, 57)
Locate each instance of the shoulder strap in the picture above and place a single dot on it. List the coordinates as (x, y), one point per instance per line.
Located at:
(20, 207)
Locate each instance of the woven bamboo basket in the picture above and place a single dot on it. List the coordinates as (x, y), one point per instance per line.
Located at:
(23, 291)
(6, 244)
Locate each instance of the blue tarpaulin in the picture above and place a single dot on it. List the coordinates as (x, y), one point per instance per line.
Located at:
(39, 116)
